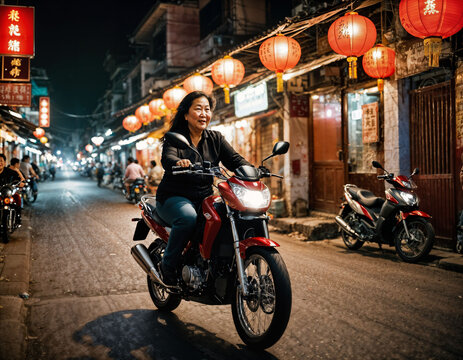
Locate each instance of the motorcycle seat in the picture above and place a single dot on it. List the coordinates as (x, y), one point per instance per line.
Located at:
(366, 197)
(153, 213)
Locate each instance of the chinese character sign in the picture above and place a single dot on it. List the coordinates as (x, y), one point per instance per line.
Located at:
(16, 30)
(15, 68)
(370, 132)
(44, 111)
(15, 94)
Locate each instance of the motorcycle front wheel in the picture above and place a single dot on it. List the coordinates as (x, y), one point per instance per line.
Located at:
(351, 242)
(261, 318)
(419, 244)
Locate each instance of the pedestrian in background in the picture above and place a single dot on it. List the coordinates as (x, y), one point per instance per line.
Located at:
(154, 176)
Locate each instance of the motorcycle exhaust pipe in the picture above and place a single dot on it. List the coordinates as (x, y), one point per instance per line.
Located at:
(345, 226)
(142, 257)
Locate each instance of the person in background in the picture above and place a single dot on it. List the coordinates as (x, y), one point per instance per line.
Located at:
(35, 167)
(28, 172)
(52, 171)
(7, 176)
(99, 173)
(14, 165)
(132, 172)
(154, 176)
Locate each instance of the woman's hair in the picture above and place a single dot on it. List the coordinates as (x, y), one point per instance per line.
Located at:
(179, 124)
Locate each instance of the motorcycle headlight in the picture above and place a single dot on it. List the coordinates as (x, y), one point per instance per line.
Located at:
(409, 198)
(251, 198)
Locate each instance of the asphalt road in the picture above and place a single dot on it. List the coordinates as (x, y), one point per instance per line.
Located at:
(90, 300)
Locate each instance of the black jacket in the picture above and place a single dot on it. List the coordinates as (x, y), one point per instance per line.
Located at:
(7, 176)
(214, 148)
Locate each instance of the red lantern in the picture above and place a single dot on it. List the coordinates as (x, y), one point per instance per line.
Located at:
(278, 54)
(379, 63)
(173, 97)
(198, 82)
(143, 114)
(157, 108)
(89, 148)
(227, 73)
(431, 20)
(39, 132)
(131, 123)
(352, 35)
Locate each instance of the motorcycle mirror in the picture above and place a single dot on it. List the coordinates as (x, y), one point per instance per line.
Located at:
(280, 148)
(177, 140)
(377, 165)
(416, 171)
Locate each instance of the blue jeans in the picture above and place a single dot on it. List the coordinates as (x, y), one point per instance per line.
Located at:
(180, 213)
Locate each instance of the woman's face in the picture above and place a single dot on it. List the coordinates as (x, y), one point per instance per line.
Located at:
(199, 115)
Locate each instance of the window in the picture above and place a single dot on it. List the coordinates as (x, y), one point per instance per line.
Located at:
(360, 154)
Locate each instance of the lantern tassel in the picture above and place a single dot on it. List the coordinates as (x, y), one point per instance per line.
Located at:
(380, 83)
(226, 91)
(352, 60)
(280, 87)
(432, 49)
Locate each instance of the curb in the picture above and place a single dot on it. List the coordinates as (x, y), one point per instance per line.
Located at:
(15, 276)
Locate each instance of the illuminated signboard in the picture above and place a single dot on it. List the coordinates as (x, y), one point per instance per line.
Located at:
(251, 100)
(44, 111)
(15, 68)
(15, 94)
(16, 30)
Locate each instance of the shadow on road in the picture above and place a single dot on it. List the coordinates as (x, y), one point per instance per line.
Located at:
(144, 334)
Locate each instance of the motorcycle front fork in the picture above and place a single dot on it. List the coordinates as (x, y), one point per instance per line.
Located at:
(239, 261)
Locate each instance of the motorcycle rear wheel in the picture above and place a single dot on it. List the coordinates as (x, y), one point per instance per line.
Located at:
(419, 244)
(350, 242)
(262, 317)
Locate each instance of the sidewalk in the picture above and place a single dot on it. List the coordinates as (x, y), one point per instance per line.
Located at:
(14, 281)
(322, 226)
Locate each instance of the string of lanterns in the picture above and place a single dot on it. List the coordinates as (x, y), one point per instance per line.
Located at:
(352, 35)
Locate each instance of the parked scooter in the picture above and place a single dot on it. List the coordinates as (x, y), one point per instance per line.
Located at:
(395, 221)
(137, 190)
(10, 202)
(230, 258)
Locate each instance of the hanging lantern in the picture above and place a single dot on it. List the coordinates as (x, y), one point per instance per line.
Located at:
(97, 140)
(89, 148)
(198, 82)
(143, 114)
(278, 54)
(431, 20)
(227, 73)
(352, 35)
(173, 97)
(131, 123)
(379, 63)
(39, 132)
(43, 139)
(157, 108)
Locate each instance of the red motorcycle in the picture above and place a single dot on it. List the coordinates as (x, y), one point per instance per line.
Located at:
(396, 220)
(230, 259)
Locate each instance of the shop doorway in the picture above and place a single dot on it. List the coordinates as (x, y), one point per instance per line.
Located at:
(327, 165)
(432, 144)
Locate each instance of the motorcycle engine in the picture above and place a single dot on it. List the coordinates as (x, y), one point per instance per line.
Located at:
(192, 276)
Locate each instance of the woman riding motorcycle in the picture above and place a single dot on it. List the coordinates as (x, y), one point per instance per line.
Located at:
(179, 196)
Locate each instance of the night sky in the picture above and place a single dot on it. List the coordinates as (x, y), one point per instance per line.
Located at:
(71, 40)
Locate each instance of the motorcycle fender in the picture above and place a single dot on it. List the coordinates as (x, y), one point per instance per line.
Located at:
(141, 231)
(255, 241)
(416, 213)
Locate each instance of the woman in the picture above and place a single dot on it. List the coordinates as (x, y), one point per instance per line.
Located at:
(178, 196)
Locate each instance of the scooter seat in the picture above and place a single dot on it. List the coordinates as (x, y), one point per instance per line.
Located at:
(366, 197)
(153, 213)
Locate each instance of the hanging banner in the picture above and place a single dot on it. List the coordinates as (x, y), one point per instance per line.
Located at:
(15, 94)
(17, 30)
(370, 132)
(15, 68)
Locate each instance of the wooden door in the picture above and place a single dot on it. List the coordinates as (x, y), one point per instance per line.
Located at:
(432, 148)
(327, 167)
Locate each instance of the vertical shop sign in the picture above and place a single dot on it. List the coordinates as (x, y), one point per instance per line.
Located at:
(15, 68)
(370, 132)
(299, 106)
(44, 111)
(15, 94)
(16, 30)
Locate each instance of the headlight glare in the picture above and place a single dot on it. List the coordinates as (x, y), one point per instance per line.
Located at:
(253, 199)
(409, 198)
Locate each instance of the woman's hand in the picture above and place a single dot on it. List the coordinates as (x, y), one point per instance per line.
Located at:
(183, 163)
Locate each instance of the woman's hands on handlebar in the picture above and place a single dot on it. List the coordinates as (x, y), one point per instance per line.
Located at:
(183, 163)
